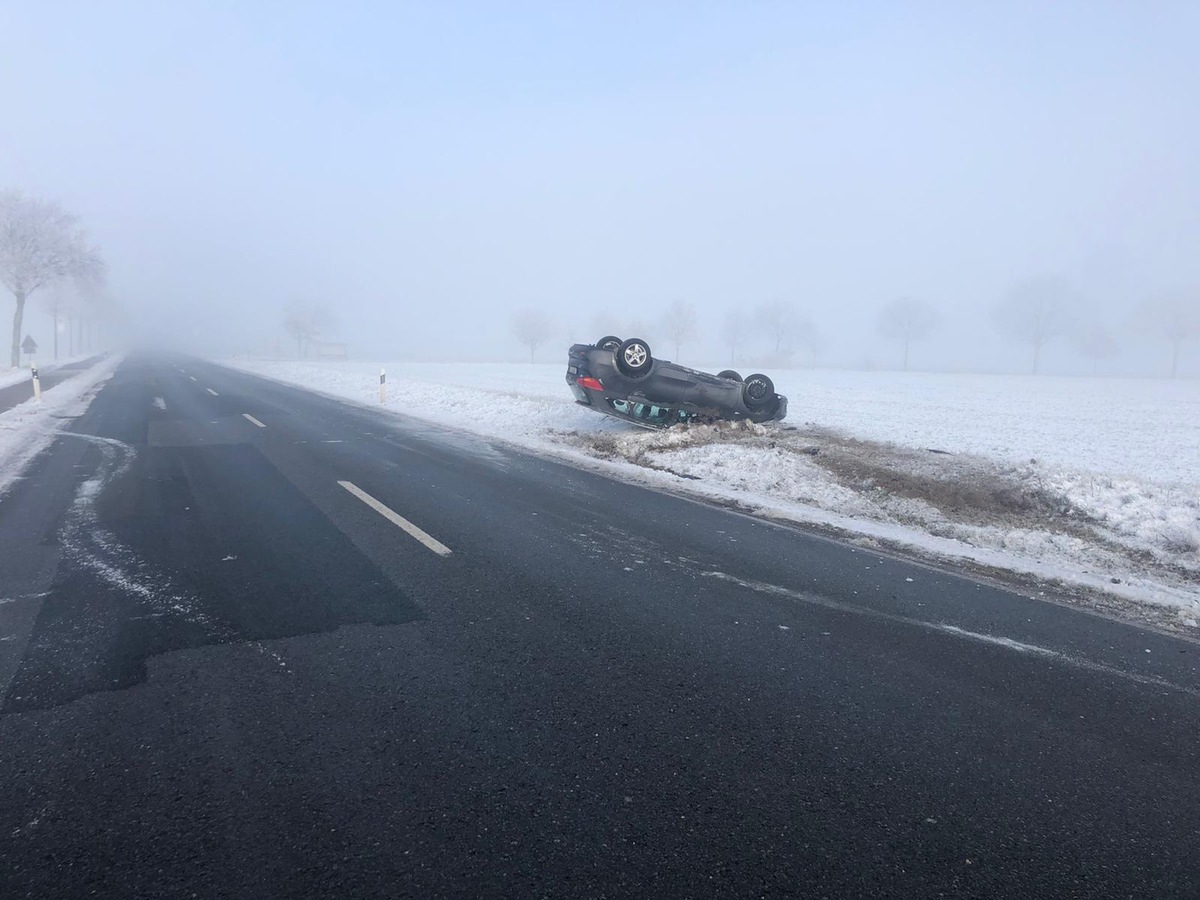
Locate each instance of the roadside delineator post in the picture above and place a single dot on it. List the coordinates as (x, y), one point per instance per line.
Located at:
(382, 386)
(37, 382)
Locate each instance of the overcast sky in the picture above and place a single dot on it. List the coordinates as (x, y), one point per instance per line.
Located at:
(425, 169)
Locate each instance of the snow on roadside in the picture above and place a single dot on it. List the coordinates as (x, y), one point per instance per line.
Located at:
(11, 376)
(997, 500)
(27, 429)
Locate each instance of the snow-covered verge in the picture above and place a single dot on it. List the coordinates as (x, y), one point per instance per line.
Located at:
(27, 429)
(10, 376)
(1093, 486)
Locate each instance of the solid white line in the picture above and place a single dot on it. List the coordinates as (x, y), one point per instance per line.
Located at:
(254, 420)
(211, 391)
(396, 519)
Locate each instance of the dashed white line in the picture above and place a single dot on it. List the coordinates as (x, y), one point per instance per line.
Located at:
(193, 377)
(211, 391)
(254, 420)
(396, 519)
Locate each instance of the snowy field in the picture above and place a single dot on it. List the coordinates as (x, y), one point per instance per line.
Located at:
(1092, 484)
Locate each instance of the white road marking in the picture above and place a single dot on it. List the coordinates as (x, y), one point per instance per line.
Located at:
(211, 391)
(396, 519)
(254, 420)
(193, 377)
(160, 402)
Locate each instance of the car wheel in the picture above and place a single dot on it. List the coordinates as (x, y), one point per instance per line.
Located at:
(758, 390)
(730, 374)
(633, 357)
(608, 342)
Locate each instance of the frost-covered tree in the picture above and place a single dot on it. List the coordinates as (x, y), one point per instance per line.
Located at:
(305, 322)
(808, 337)
(532, 327)
(733, 333)
(1035, 311)
(907, 319)
(779, 321)
(1174, 317)
(1096, 342)
(40, 244)
(680, 323)
(62, 305)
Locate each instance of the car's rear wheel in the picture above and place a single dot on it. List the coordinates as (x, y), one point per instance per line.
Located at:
(758, 390)
(633, 357)
(730, 374)
(608, 342)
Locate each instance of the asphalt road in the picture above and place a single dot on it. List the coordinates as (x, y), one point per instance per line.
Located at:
(257, 642)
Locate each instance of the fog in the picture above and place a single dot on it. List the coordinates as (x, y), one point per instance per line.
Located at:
(424, 171)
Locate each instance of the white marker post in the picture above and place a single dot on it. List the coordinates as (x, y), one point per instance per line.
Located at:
(37, 382)
(382, 386)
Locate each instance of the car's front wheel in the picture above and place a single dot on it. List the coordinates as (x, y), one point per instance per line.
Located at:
(758, 390)
(633, 357)
(609, 342)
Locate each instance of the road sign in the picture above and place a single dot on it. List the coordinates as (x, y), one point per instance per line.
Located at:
(29, 345)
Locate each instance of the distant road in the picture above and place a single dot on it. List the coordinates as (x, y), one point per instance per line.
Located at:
(258, 642)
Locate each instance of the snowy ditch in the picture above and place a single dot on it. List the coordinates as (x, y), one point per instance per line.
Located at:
(904, 475)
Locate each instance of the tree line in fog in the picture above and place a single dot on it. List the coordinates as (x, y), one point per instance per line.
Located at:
(1033, 314)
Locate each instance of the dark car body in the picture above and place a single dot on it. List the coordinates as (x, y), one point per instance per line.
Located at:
(666, 394)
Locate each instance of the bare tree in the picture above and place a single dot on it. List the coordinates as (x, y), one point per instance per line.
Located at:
(603, 324)
(60, 303)
(40, 243)
(305, 322)
(1174, 317)
(907, 319)
(1034, 312)
(639, 328)
(532, 327)
(779, 321)
(734, 333)
(808, 336)
(680, 323)
(1096, 342)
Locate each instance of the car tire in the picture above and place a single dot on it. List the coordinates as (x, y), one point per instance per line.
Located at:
(758, 390)
(608, 342)
(730, 374)
(633, 358)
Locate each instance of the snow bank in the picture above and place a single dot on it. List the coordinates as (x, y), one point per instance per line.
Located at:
(11, 376)
(1093, 483)
(31, 427)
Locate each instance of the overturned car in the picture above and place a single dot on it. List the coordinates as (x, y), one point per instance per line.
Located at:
(622, 379)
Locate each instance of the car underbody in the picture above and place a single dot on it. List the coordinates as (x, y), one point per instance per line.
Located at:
(622, 379)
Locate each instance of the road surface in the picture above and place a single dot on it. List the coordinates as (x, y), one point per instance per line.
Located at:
(259, 642)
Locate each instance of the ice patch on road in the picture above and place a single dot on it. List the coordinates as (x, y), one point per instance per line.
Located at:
(88, 544)
(92, 547)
